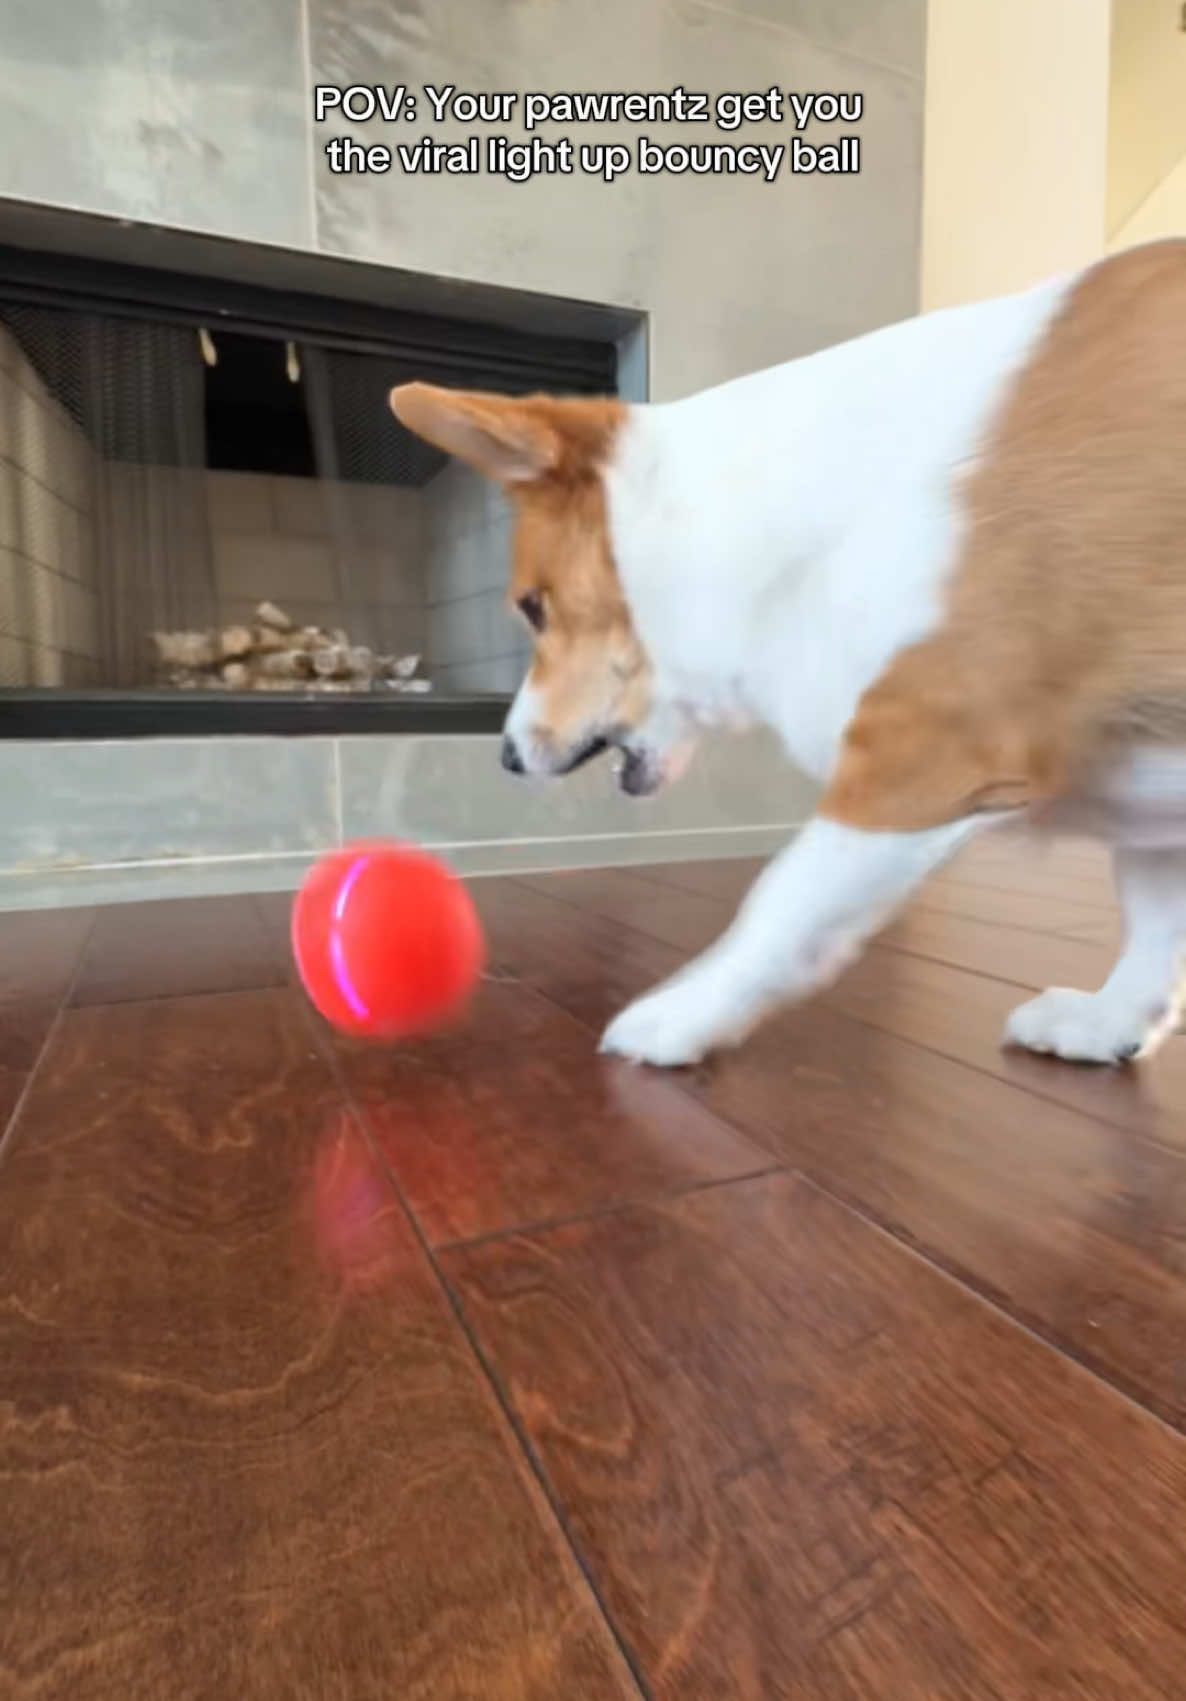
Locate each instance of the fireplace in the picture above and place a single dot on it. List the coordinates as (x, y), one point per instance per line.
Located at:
(210, 521)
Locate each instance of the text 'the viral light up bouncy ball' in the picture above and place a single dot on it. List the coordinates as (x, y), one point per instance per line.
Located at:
(386, 940)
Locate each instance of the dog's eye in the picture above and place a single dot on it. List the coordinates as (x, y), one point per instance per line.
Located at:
(531, 607)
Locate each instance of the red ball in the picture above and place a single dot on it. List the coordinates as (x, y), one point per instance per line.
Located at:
(386, 939)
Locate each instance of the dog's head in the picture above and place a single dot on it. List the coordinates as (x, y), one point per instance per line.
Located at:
(591, 684)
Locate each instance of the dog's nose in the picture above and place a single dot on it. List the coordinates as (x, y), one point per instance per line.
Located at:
(511, 759)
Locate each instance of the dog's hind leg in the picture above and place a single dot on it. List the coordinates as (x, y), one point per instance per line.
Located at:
(1140, 1001)
(805, 918)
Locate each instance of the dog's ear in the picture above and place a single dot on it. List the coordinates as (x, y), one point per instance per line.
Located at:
(502, 438)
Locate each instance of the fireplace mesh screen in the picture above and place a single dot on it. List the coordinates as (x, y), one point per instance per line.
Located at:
(205, 508)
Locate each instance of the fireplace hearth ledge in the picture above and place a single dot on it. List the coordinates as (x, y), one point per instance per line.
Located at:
(98, 821)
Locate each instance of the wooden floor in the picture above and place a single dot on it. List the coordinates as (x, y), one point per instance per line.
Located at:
(849, 1368)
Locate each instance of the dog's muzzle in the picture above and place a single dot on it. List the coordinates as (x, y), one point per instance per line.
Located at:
(513, 762)
(511, 759)
(637, 772)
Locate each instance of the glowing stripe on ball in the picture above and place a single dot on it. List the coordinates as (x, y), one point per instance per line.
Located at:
(337, 955)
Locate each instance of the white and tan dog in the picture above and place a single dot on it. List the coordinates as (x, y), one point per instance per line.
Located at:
(945, 561)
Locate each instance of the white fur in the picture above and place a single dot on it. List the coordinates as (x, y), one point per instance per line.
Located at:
(520, 728)
(803, 922)
(779, 540)
(781, 537)
(1139, 1003)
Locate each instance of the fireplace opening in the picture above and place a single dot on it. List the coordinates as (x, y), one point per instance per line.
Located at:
(212, 519)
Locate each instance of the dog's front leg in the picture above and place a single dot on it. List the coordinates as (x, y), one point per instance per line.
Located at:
(803, 921)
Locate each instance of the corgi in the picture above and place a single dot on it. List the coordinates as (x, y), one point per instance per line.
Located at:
(944, 561)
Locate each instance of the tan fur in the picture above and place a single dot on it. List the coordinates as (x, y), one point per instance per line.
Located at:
(1065, 634)
(1065, 628)
(548, 453)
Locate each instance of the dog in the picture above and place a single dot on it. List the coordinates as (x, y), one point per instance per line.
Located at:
(945, 561)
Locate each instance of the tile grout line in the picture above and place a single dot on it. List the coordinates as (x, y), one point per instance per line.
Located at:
(336, 782)
(229, 859)
(310, 167)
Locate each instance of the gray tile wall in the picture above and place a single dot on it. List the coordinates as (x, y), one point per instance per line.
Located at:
(737, 273)
(473, 642)
(104, 821)
(49, 611)
(277, 539)
(174, 112)
(200, 116)
(70, 806)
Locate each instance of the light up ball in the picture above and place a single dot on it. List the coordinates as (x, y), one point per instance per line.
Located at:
(386, 940)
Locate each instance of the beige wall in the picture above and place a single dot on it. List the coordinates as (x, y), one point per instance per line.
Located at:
(1147, 123)
(1162, 213)
(1147, 112)
(1015, 176)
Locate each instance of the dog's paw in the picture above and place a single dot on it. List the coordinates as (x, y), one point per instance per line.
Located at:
(676, 1025)
(1083, 1027)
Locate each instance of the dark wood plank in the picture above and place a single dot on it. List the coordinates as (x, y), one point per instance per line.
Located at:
(1105, 930)
(802, 1463)
(1041, 879)
(274, 910)
(1035, 867)
(1004, 848)
(39, 956)
(1007, 907)
(934, 1003)
(177, 947)
(245, 1447)
(1073, 1222)
(686, 920)
(729, 879)
(962, 1014)
(511, 1117)
(589, 966)
(1009, 952)
(692, 920)
(1029, 961)
(40, 951)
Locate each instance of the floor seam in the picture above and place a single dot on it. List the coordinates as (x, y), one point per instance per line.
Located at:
(730, 904)
(8, 1135)
(615, 1207)
(510, 1417)
(951, 1272)
(875, 944)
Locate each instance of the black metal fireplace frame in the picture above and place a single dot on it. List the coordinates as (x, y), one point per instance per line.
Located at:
(497, 354)
(78, 715)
